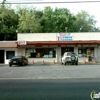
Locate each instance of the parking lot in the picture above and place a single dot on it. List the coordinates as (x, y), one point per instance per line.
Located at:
(57, 71)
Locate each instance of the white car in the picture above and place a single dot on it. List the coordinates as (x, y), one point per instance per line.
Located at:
(69, 57)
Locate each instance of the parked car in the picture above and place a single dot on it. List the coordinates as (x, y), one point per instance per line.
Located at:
(69, 57)
(18, 60)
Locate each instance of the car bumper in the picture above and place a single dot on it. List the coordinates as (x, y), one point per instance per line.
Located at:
(69, 61)
(16, 63)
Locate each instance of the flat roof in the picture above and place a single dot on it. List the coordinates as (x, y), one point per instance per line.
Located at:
(75, 42)
(7, 44)
(63, 42)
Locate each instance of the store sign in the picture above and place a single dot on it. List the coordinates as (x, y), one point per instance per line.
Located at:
(93, 45)
(63, 45)
(89, 45)
(27, 46)
(44, 45)
(70, 45)
(64, 36)
(53, 45)
(22, 42)
(85, 45)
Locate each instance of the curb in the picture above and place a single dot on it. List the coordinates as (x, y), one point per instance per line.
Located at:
(46, 63)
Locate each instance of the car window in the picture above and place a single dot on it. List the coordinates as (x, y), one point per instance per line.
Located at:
(69, 54)
(17, 57)
(73, 54)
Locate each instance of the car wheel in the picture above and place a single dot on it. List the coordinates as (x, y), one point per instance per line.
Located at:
(73, 58)
(27, 63)
(76, 63)
(23, 63)
(72, 63)
(64, 63)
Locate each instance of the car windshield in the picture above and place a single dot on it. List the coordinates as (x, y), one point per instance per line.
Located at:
(73, 53)
(69, 54)
(17, 57)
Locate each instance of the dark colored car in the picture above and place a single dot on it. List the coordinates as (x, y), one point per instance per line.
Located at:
(18, 60)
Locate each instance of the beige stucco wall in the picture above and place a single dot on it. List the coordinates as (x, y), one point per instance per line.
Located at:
(87, 36)
(53, 36)
(97, 53)
(21, 51)
(17, 52)
(40, 60)
(6, 61)
(37, 37)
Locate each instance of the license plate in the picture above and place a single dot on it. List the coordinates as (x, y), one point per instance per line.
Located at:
(14, 61)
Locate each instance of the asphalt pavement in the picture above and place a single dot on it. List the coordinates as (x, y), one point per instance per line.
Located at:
(49, 82)
(48, 89)
(39, 71)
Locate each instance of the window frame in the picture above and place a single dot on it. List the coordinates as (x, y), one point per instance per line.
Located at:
(7, 55)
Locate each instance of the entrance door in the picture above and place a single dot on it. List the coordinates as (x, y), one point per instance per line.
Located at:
(1, 56)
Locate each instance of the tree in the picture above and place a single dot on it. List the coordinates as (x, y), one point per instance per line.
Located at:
(36, 21)
(56, 20)
(84, 23)
(8, 23)
(46, 20)
(29, 21)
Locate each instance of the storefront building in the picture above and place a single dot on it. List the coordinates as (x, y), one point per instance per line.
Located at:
(51, 46)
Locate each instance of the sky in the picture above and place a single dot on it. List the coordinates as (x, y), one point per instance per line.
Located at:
(92, 8)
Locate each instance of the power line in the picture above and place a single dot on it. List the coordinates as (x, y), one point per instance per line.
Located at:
(50, 2)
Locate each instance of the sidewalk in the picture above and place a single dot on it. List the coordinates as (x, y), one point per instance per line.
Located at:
(50, 71)
(51, 63)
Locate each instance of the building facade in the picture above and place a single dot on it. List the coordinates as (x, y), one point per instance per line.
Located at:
(7, 50)
(51, 46)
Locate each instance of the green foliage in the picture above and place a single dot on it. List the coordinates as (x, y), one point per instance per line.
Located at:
(49, 20)
(57, 20)
(29, 21)
(8, 34)
(8, 23)
(84, 23)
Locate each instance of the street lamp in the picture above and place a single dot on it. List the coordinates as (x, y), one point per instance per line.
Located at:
(66, 29)
(30, 29)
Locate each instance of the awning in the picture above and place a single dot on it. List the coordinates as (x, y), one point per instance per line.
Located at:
(56, 43)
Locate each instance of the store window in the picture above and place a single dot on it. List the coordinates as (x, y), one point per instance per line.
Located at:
(41, 53)
(10, 54)
(66, 49)
(86, 52)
